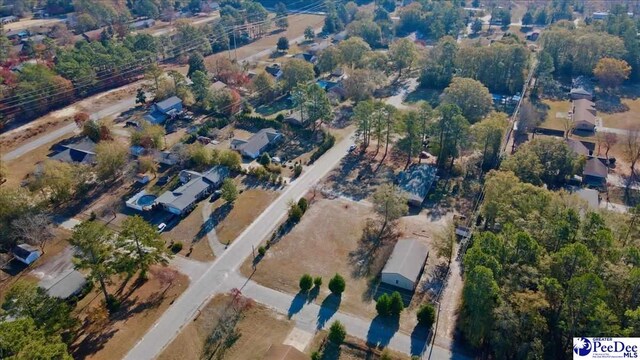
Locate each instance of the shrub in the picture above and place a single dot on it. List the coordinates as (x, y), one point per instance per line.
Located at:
(426, 315)
(113, 304)
(316, 355)
(176, 247)
(337, 284)
(253, 122)
(295, 213)
(337, 333)
(265, 159)
(262, 250)
(280, 118)
(383, 305)
(397, 304)
(297, 170)
(303, 204)
(306, 281)
(329, 141)
(317, 282)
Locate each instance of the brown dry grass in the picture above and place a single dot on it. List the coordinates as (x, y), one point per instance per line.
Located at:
(142, 305)
(623, 120)
(550, 120)
(188, 232)
(259, 328)
(355, 349)
(249, 205)
(320, 245)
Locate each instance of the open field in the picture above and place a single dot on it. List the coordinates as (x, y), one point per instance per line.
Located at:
(623, 120)
(328, 241)
(142, 304)
(246, 208)
(258, 328)
(550, 120)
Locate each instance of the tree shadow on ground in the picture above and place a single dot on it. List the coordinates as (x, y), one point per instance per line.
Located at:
(358, 174)
(329, 307)
(437, 279)
(91, 343)
(331, 351)
(420, 337)
(382, 330)
(297, 304)
(364, 258)
(216, 217)
(313, 294)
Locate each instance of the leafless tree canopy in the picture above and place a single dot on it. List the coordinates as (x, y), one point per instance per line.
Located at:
(34, 229)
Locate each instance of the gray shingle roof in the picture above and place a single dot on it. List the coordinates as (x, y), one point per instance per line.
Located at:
(584, 111)
(259, 141)
(417, 181)
(185, 195)
(70, 284)
(407, 259)
(82, 151)
(167, 104)
(577, 147)
(595, 167)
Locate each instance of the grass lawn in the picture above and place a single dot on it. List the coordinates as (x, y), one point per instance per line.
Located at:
(189, 232)
(551, 121)
(258, 329)
(142, 305)
(247, 207)
(623, 120)
(274, 107)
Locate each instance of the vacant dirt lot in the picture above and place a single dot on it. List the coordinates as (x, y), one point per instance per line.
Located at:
(249, 205)
(142, 304)
(352, 349)
(258, 329)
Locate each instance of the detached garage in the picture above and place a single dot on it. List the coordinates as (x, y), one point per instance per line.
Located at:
(404, 267)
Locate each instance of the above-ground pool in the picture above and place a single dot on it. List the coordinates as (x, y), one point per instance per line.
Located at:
(146, 200)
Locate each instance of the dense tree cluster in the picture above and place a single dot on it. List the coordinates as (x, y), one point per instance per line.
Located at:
(434, 19)
(553, 270)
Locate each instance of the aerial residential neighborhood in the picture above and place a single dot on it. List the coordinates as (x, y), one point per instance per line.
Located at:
(330, 179)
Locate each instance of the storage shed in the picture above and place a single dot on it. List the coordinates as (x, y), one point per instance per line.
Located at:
(404, 267)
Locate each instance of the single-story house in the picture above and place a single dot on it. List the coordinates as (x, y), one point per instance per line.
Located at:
(165, 157)
(577, 147)
(305, 57)
(218, 85)
(284, 352)
(17, 35)
(316, 48)
(274, 70)
(580, 92)
(583, 114)
(26, 253)
(256, 144)
(69, 284)
(404, 267)
(416, 182)
(8, 19)
(194, 188)
(82, 151)
(595, 172)
(142, 24)
(533, 35)
(165, 109)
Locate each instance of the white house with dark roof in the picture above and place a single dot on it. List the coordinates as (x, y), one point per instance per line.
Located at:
(256, 144)
(404, 267)
(164, 110)
(195, 186)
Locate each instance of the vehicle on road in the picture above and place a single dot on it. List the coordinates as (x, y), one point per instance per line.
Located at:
(352, 147)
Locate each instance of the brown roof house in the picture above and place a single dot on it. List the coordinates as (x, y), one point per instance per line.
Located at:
(577, 147)
(583, 114)
(595, 172)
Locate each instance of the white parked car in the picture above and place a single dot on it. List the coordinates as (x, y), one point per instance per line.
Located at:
(161, 227)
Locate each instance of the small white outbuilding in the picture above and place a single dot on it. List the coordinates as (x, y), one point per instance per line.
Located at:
(404, 267)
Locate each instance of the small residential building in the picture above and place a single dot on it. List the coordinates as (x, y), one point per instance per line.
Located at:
(69, 284)
(256, 144)
(284, 352)
(600, 15)
(26, 253)
(416, 182)
(577, 147)
(295, 117)
(404, 267)
(195, 186)
(164, 110)
(274, 70)
(82, 151)
(580, 92)
(218, 85)
(165, 157)
(583, 114)
(305, 57)
(142, 24)
(595, 172)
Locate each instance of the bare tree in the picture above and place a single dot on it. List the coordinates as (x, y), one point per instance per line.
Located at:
(632, 148)
(609, 139)
(34, 229)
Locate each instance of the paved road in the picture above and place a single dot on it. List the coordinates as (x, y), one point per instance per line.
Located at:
(116, 108)
(210, 283)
